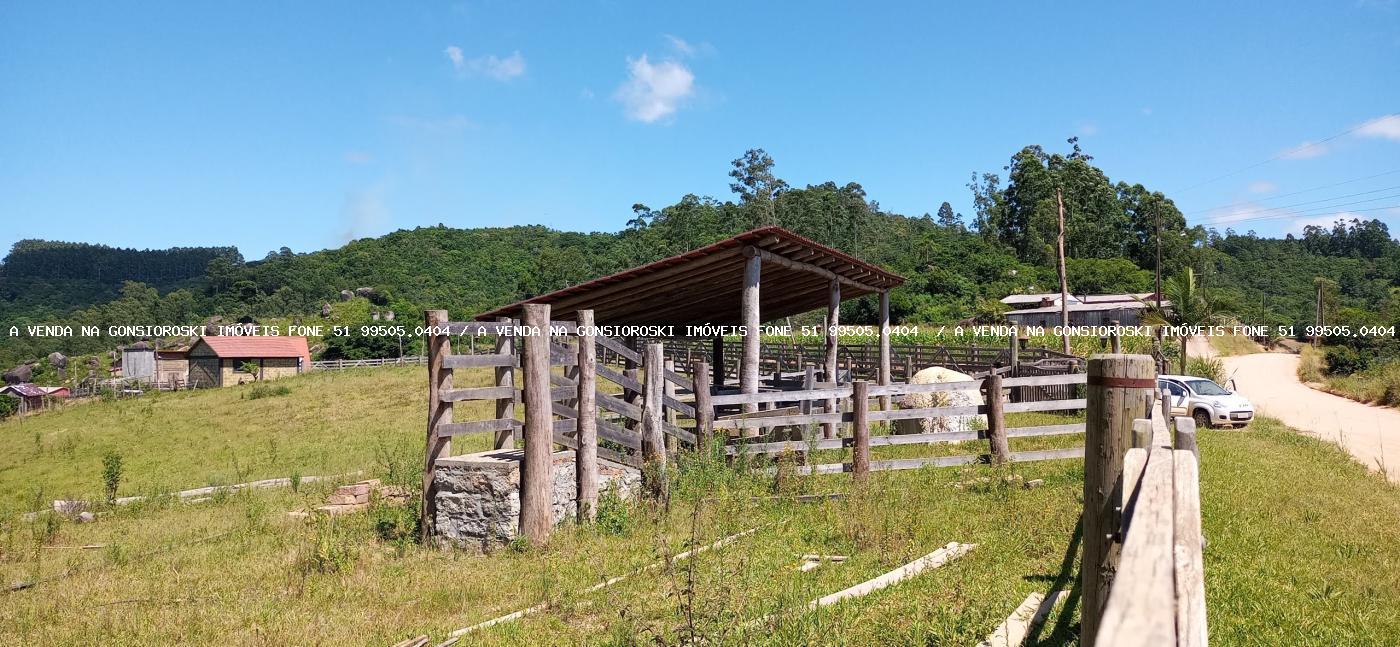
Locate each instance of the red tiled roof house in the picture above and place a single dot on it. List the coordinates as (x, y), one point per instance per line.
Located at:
(220, 361)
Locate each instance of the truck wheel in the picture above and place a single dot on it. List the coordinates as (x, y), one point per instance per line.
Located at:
(1202, 419)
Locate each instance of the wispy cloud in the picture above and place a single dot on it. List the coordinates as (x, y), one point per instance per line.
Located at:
(1306, 150)
(358, 157)
(501, 69)
(1387, 127)
(1262, 186)
(681, 46)
(654, 91)
(1297, 225)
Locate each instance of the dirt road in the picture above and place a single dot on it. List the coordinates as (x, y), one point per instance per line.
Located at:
(1270, 381)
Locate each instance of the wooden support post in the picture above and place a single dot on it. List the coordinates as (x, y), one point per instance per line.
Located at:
(1166, 407)
(1186, 435)
(439, 413)
(704, 410)
(586, 456)
(1115, 387)
(748, 363)
(1115, 340)
(629, 370)
(833, 321)
(505, 376)
(885, 347)
(717, 361)
(536, 471)
(909, 367)
(996, 420)
(860, 407)
(653, 443)
(669, 390)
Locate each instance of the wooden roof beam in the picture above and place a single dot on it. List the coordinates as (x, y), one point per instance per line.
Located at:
(770, 257)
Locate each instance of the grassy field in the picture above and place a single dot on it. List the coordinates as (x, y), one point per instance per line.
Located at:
(1228, 345)
(1315, 561)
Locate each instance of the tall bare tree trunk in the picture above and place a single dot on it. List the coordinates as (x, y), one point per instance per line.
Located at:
(1064, 281)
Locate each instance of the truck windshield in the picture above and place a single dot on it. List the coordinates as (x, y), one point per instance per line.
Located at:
(1207, 387)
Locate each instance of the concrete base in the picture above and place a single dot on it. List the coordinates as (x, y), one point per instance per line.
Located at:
(478, 495)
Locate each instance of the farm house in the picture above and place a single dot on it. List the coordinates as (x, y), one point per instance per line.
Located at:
(221, 361)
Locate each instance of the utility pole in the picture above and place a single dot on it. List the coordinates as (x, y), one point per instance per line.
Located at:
(1064, 281)
(1317, 314)
(1157, 212)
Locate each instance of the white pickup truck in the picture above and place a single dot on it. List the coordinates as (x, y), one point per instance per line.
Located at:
(1207, 402)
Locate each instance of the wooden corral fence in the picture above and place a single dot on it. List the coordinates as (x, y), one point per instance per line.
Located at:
(341, 364)
(1142, 571)
(831, 405)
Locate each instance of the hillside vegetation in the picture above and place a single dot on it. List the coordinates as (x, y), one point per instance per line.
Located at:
(958, 266)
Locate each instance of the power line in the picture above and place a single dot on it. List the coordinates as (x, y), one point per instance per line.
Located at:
(1289, 152)
(1305, 215)
(1285, 195)
(1298, 204)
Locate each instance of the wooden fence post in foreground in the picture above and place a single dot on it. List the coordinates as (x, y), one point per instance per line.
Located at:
(996, 420)
(439, 413)
(1115, 387)
(860, 408)
(653, 441)
(536, 471)
(704, 411)
(505, 376)
(586, 456)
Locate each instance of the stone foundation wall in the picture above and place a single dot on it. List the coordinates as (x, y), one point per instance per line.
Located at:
(478, 495)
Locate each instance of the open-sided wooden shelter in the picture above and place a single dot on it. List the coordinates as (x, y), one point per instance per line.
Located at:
(760, 275)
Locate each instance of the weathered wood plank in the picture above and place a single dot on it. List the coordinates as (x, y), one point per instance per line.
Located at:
(781, 396)
(537, 469)
(1189, 568)
(618, 348)
(619, 406)
(478, 393)
(463, 428)
(1141, 608)
(934, 559)
(619, 379)
(1045, 405)
(1045, 430)
(1024, 620)
(752, 422)
(478, 361)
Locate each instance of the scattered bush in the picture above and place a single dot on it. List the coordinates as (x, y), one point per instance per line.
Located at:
(331, 550)
(1344, 360)
(1310, 365)
(9, 405)
(111, 475)
(1211, 368)
(263, 390)
(614, 515)
(396, 524)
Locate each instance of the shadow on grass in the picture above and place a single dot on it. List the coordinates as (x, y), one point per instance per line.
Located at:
(1066, 630)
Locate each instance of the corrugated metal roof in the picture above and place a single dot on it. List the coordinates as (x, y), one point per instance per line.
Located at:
(254, 347)
(33, 390)
(652, 291)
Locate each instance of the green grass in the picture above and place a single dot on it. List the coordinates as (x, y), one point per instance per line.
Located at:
(1304, 544)
(328, 423)
(1229, 345)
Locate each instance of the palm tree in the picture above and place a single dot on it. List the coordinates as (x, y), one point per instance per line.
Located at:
(1187, 305)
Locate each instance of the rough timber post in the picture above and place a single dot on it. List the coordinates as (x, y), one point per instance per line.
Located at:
(536, 472)
(668, 388)
(885, 347)
(439, 412)
(586, 457)
(860, 425)
(505, 376)
(717, 361)
(704, 410)
(996, 420)
(748, 364)
(653, 444)
(833, 319)
(1116, 384)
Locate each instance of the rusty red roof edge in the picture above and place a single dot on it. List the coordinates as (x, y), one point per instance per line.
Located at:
(749, 236)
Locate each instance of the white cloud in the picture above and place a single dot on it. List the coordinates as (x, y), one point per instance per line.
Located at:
(1387, 127)
(684, 48)
(454, 54)
(1305, 150)
(654, 91)
(501, 69)
(1262, 186)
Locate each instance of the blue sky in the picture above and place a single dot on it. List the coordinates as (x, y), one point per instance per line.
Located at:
(307, 124)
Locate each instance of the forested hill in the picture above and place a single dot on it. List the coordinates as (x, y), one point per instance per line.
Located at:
(957, 266)
(48, 278)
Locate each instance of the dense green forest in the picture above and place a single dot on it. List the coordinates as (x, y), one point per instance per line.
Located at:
(958, 266)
